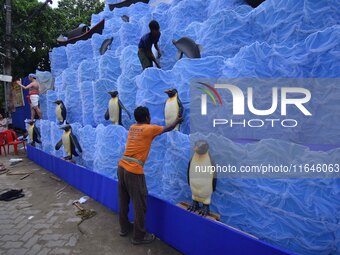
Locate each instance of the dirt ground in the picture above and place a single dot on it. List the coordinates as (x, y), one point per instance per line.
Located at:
(44, 221)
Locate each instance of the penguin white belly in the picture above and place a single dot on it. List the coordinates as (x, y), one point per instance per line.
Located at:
(171, 111)
(58, 113)
(67, 143)
(201, 178)
(30, 132)
(114, 110)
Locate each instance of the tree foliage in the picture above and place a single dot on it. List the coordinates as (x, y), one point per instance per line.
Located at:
(77, 12)
(36, 36)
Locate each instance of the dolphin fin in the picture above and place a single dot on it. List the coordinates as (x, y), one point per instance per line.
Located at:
(179, 55)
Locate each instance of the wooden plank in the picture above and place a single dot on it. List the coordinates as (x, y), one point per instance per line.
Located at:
(4, 172)
(25, 176)
(11, 173)
(211, 215)
(55, 178)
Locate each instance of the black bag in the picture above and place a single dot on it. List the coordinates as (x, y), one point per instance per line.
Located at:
(11, 195)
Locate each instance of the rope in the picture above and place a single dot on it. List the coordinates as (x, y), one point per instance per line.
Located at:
(85, 214)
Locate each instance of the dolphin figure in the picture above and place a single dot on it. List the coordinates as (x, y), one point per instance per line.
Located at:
(105, 45)
(125, 18)
(188, 47)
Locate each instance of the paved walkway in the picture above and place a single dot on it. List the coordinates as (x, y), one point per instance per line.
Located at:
(45, 221)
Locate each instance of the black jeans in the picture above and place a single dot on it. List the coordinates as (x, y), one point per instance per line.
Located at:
(132, 186)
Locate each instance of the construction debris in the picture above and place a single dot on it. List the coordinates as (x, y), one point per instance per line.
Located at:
(85, 214)
(60, 190)
(18, 173)
(25, 176)
(55, 178)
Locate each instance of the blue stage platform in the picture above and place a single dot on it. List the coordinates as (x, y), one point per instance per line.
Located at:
(185, 231)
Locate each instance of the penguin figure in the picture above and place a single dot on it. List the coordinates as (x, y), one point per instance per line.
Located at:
(33, 133)
(201, 179)
(60, 111)
(70, 142)
(173, 107)
(114, 110)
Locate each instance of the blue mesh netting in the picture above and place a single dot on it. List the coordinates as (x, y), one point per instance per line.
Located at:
(79, 51)
(72, 95)
(86, 98)
(101, 99)
(109, 66)
(51, 98)
(280, 38)
(109, 148)
(87, 71)
(87, 141)
(58, 60)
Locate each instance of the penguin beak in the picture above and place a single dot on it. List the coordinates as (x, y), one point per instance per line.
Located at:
(64, 127)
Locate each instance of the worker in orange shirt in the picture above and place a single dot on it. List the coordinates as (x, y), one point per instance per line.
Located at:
(131, 179)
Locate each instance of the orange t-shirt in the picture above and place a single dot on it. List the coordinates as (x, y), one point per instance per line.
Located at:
(138, 145)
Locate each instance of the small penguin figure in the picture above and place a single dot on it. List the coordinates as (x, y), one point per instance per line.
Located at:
(201, 179)
(173, 107)
(60, 111)
(69, 141)
(114, 110)
(33, 133)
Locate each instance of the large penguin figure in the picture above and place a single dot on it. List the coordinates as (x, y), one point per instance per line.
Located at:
(173, 107)
(114, 110)
(60, 111)
(69, 141)
(201, 179)
(33, 133)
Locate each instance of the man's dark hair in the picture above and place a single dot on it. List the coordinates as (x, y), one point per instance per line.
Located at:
(153, 25)
(141, 113)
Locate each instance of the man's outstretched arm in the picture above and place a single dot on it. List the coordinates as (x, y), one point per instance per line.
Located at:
(173, 125)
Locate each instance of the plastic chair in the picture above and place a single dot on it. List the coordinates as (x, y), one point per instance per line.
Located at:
(2, 143)
(12, 139)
